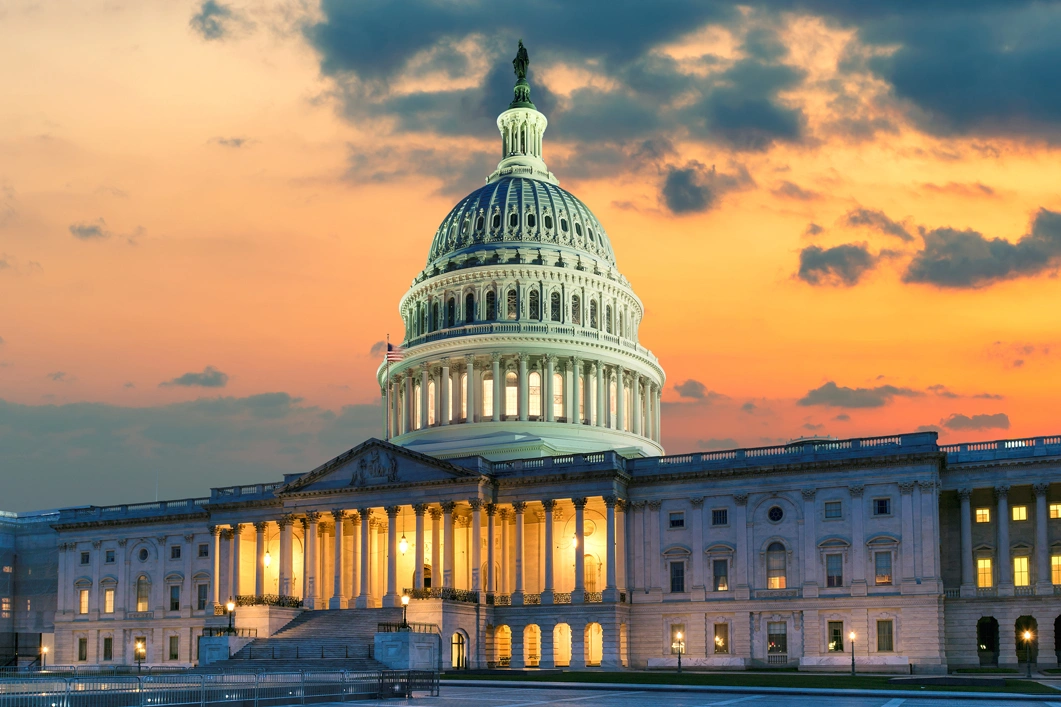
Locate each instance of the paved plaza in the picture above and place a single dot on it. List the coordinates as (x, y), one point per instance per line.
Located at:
(489, 695)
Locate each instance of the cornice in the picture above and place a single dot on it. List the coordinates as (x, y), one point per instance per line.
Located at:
(143, 520)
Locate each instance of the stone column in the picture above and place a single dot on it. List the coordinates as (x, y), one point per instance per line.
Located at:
(391, 597)
(286, 559)
(503, 514)
(547, 404)
(929, 490)
(355, 559)
(259, 565)
(906, 489)
(491, 580)
(338, 601)
(447, 560)
(621, 571)
(410, 404)
(233, 559)
(444, 396)
(419, 509)
(366, 552)
(575, 372)
(436, 548)
(743, 557)
(611, 590)
(477, 544)
(602, 408)
(471, 401)
(810, 546)
(656, 414)
(578, 595)
(655, 549)
(578, 645)
(699, 592)
(858, 540)
(547, 590)
(968, 585)
(517, 595)
(1005, 568)
(499, 385)
(425, 381)
(312, 530)
(524, 389)
(640, 549)
(215, 552)
(620, 399)
(548, 658)
(635, 402)
(1044, 581)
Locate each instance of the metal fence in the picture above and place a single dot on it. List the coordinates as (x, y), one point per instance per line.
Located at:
(232, 688)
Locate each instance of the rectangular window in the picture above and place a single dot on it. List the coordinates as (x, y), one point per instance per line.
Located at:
(108, 648)
(200, 600)
(720, 568)
(983, 515)
(885, 637)
(204, 550)
(108, 600)
(1055, 569)
(1020, 512)
(777, 637)
(84, 558)
(677, 638)
(1020, 572)
(1055, 510)
(834, 570)
(882, 506)
(677, 520)
(108, 557)
(836, 636)
(720, 516)
(82, 650)
(882, 567)
(175, 598)
(82, 602)
(174, 647)
(174, 552)
(677, 577)
(984, 577)
(833, 509)
(721, 638)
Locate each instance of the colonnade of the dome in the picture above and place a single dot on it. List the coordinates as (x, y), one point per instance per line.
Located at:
(521, 387)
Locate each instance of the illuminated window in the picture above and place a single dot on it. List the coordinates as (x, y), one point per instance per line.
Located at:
(1020, 513)
(108, 601)
(82, 604)
(1020, 572)
(983, 515)
(431, 402)
(558, 395)
(1055, 510)
(777, 637)
(720, 569)
(488, 397)
(1055, 569)
(721, 638)
(535, 397)
(775, 566)
(882, 564)
(461, 394)
(143, 592)
(511, 395)
(836, 636)
(984, 576)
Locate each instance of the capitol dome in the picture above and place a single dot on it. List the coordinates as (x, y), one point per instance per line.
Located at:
(521, 334)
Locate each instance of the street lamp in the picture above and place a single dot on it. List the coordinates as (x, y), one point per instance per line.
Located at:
(405, 610)
(44, 657)
(1028, 650)
(678, 647)
(231, 608)
(852, 637)
(139, 654)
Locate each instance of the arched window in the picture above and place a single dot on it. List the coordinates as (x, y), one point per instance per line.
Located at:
(611, 402)
(621, 317)
(547, 221)
(467, 227)
(608, 318)
(451, 312)
(487, 402)
(535, 305)
(511, 395)
(578, 229)
(532, 221)
(513, 219)
(434, 316)
(591, 393)
(418, 406)
(558, 396)
(495, 222)
(462, 396)
(534, 397)
(479, 223)
(143, 593)
(576, 310)
(776, 577)
(589, 232)
(491, 306)
(554, 306)
(511, 307)
(563, 225)
(469, 307)
(430, 402)
(593, 314)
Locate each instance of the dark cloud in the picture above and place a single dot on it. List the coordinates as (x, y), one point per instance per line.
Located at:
(90, 230)
(378, 349)
(691, 389)
(748, 407)
(695, 189)
(832, 395)
(812, 230)
(717, 443)
(57, 376)
(976, 190)
(966, 259)
(942, 391)
(209, 377)
(929, 428)
(234, 142)
(842, 417)
(216, 20)
(988, 396)
(790, 190)
(840, 265)
(998, 421)
(878, 221)
(811, 427)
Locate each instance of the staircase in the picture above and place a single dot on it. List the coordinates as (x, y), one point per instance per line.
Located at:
(334, 639)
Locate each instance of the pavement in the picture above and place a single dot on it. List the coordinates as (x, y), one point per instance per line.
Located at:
(489, 695)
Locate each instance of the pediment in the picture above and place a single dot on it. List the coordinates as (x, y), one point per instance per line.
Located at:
(375, 463)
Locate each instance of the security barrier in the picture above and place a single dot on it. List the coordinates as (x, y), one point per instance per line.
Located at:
(281, 689)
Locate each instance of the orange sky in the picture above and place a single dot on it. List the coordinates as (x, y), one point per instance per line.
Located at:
(273, 264)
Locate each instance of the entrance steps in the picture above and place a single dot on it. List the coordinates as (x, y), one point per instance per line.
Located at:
(345, 635)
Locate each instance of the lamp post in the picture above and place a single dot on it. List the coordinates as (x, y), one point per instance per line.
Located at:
(852, 637)
(44, 657)
(1028, 650)
(405, 611)
(139, 655)
(678, 647)
(231, 608)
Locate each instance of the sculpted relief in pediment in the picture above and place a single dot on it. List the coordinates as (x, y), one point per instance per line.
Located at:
(375, 467)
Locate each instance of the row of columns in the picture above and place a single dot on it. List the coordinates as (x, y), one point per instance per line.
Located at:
(401, 392)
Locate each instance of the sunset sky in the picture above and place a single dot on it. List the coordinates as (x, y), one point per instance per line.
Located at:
(843, 218)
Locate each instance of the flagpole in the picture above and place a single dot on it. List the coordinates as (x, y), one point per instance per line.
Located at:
(386, 355)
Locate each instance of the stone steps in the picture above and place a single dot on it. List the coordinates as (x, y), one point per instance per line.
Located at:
(319, 636)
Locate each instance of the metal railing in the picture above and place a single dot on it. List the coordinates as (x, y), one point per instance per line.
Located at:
(594, 597)
(464, 595)
(532, 599)
(269, 600)
(777, 659)
(398, 626)
(188, 689)
(561, 597)
(210, 631)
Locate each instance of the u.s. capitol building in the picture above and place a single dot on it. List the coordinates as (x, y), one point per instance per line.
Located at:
(519, 496)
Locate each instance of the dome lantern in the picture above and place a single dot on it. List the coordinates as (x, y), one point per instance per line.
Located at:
(522, 127)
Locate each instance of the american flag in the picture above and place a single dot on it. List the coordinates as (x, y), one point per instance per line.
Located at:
(394, 353)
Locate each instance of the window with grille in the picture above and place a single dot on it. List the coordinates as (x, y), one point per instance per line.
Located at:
(554, 306)
(143, 590)
(832, 509)
(535, 305)
(836, 636)
(1055, 510)
(885, 636)
(576, 310)
(1021, 577)
(677, 577)
(882, 506)
(983, 515)
(720, 516)
(558, 396)
(720, 569)
(834, 570)
(882, 567)
(84, 558)
(677, 519)
(511, 305)
(108, 557)
(777, 637)
(204, 550)
(175, 552)
(775, 567)
(491, 306)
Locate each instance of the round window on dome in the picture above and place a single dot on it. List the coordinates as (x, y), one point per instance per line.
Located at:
(563, 225)
(142, 554)
(513, 220)
(775, 514)
(532, 221)
(548, 221)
